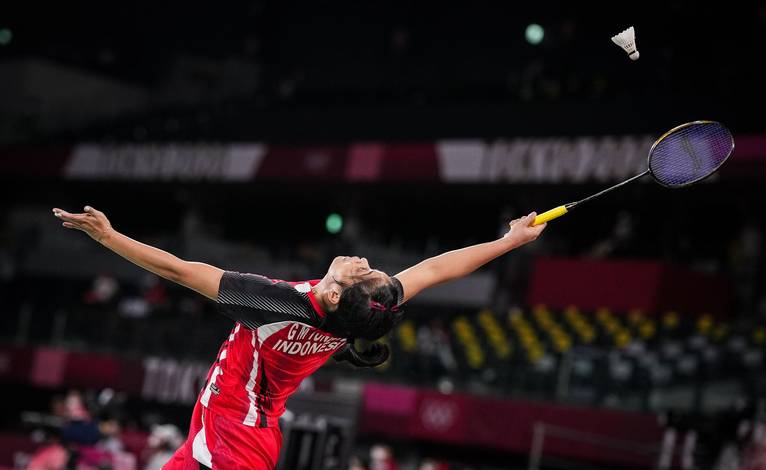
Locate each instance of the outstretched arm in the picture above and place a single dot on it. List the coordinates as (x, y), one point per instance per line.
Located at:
(458, 263)
(200, 277)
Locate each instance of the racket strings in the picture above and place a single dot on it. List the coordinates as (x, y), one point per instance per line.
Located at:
(690, 154)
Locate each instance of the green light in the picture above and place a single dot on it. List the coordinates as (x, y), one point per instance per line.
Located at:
(5, 36)
(534, 34)
(334, 223)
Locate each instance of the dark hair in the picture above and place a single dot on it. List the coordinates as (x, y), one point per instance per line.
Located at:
(368, 310)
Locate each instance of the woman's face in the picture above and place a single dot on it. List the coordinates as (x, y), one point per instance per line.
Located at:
(348, 270)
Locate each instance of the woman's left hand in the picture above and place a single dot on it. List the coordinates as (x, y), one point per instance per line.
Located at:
(522, 231)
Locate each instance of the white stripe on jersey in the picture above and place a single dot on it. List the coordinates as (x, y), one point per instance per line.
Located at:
(200, 452)
(234, 333)
(261, 334)
(217, 371)
(267, 330)
(252, 412)
(206, 396)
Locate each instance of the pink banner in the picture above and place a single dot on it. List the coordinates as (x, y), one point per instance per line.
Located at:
(166, 380)
(303, 163)
(650, 286)
(36, 162)
(507, 424)
(88, 370)
(49, 367)
(413, 161)
(443, 418)
(749, 148)
(11, 443)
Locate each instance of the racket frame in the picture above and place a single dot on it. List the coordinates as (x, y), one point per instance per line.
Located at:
(673, 131)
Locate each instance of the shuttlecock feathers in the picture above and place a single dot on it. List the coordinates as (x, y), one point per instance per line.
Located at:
(627, 41)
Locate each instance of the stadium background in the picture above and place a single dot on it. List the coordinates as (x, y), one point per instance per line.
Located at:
(631, 335)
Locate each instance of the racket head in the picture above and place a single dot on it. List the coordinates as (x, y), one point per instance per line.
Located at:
(689, 153)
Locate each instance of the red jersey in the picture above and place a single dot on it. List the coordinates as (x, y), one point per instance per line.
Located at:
(276, 342)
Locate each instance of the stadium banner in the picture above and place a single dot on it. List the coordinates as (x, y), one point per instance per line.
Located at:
(544, 160)
(170, 381)
(162, 380)
(165, 162)
(507, 424)
(655, 287)
(540, 160)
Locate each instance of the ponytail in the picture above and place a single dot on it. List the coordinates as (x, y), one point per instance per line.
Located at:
(373, 356)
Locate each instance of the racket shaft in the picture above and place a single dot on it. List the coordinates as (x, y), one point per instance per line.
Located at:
(561, 210)
(550, 215)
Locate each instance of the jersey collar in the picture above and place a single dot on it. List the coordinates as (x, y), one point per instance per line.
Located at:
(313, 299)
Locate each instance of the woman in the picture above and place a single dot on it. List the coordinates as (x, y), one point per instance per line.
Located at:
(284, 331)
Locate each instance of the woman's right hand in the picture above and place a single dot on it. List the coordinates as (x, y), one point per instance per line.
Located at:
(92, 222)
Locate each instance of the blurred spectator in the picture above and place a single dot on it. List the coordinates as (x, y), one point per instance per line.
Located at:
(52, 456)
(103, 290)
(151, 296)
(191, 307)
(111, 443)
(355, 463)
(382, 458)
(755, 454)
(154, 291)
(134, 307)
(745, 261)
(110, 431)
(620, 242)
(163, 442)
(670, 421)
(728, 459)
(430, 464)
(435, 351)
(85, 445)
(744, 446)
(79, 428)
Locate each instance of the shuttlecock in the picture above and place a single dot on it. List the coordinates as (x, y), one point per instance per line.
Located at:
(627, 40)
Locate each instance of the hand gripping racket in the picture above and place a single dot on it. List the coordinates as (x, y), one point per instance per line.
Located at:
(681, 157)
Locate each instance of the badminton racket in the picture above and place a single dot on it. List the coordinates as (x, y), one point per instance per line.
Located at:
(682, 156)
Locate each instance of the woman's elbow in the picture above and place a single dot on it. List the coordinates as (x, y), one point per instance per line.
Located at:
(177, 273)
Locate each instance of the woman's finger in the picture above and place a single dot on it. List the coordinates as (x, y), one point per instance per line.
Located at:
(70, 225)
(63, 215)
(66, 217)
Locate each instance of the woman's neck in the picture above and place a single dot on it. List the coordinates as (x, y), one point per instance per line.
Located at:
(320, 294)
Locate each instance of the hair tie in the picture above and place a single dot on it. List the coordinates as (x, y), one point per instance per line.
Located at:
(382, 308)
(377, 306)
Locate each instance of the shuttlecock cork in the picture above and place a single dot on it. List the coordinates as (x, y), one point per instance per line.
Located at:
(627, 41)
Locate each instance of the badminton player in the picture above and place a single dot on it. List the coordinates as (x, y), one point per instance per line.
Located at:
(284, 331)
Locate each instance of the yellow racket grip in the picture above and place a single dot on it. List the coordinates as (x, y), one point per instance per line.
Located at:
(550, 215)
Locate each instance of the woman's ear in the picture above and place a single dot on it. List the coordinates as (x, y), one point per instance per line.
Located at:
(333, 296)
